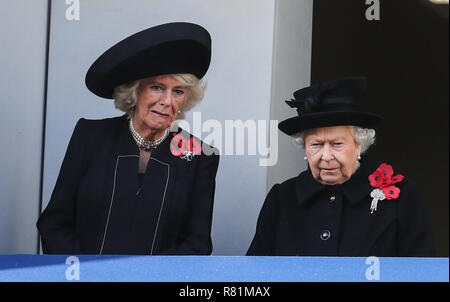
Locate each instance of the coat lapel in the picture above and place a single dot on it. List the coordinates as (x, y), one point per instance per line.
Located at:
(124, 184)
(135, 214)
(155, 195)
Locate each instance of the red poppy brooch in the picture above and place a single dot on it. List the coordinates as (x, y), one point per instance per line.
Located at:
(184, 148)
(383, 181)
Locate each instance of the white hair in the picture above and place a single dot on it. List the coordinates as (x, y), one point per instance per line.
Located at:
(126, 95)
(363, 136)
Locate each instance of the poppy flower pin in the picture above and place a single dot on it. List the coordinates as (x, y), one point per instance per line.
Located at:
(383, 180)
(184, 148)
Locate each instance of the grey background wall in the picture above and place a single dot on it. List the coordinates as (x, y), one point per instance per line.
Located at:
(22, 76)
(291, 71)
(250, 76)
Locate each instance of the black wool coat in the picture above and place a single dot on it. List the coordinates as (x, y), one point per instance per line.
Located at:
(99, 207)
(302, 217)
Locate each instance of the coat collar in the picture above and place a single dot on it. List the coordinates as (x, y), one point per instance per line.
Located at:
(127, 145)
(354, 189)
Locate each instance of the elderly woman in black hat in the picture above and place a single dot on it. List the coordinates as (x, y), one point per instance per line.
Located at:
(343, 205)
(130, 185)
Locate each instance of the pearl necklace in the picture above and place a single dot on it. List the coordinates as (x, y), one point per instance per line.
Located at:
(147, 145)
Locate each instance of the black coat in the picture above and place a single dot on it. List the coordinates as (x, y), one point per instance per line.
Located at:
(302, 217)
(97, 206)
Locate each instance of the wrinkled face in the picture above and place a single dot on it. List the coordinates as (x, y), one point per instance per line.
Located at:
(332, 154)
(159, 99)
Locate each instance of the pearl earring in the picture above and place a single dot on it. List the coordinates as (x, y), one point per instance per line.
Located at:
(305, 158)
(359, 157)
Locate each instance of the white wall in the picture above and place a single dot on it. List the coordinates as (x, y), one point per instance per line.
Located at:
(249, 76)
(22, 73)
(291, 71)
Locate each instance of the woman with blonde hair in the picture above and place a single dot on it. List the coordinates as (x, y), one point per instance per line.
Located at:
(131, 184)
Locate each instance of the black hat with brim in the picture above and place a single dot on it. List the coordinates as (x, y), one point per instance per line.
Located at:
(171, 48)
(334, 103)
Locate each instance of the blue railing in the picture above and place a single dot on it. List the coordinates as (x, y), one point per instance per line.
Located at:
(31, 268)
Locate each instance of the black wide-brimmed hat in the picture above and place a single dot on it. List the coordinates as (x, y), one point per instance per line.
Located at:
(178, 47)
(333, 103)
